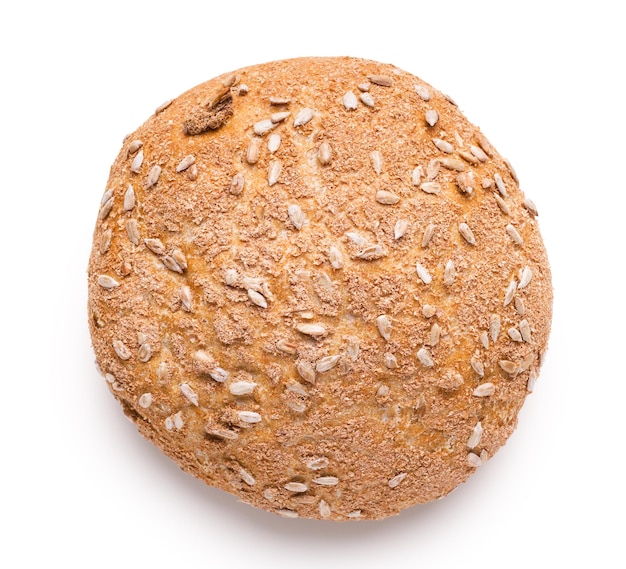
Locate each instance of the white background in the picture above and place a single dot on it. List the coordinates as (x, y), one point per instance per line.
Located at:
(80, 487)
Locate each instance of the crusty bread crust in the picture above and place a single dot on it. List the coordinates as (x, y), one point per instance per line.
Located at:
(337, 323)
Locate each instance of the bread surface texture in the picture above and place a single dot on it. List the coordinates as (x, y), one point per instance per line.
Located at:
(316, 285)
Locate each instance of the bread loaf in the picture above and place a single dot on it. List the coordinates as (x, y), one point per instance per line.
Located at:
(315, 285)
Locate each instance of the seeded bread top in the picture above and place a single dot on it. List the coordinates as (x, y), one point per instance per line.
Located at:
(314, 284)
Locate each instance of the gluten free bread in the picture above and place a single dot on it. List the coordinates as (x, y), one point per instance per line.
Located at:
(315, 285)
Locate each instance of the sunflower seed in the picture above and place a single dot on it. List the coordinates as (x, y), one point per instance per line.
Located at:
(222, 433)
(465, 182)
(145, 400)
(247, 477)
(106, 197)
(416, 175)
(296, 216)
(105, 241)
(303, 117)
(467, 234)
(132, 231)
(387, 198)
(306, 371)
(452, 164)
(324, 509)
(121, 350)
(254, 151)
(276, 101)
(318, 463)
(431, 187)
(475, 436)
(273, 143)
(324, 153)
(335, 256)
(279, 117)
(384, 326)
(508, 366)
(514, 234)
(432, 170)
(189, 393)
(155, 245)
(400, 228)
(249, 417)
(106, 209)
(474, 460)
(530, 206)
(134, 146)
(261, 128)
(429, 311)
(478, 153)
(377, 161)
(241, 387)
(435, 335)
(391, 361)
(314, 330)
(287, 513)
(129, 198)
(326, 363)
(423, 355)
(423, 274)
(532, 380)
(219, 374)
(511, 170)
(237, 184)
(449, 273)
(296, 487)
(153, 176)
(485, 390)
(135, 165)
(395, 481)
(371, 252)
(286, 347)
(350, 101)
(443, 145)
(515, 335)
(431, 117)
(504, 208)
(257, 298)
(525, 277)
(478, 367)
(428, 235)
(383, 80)
(423, 92)
(357, 239)
(105, 281)
(510, 293)
(163, 106)
(326, 481)
(519, 305)
(494, 327)
(170, 263)
(353, 348)
(467, 156)
(524, 328)
(273, 172)
(484, 340)
(367, 99)
(187, 161)
(500, 185)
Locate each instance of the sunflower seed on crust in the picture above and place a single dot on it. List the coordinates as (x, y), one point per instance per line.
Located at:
(423, 274)
(367, 99)
(186, 162)
(324, 153)
(467, 234)
(382, 80)
(350, 101)
(386, 197)
(443, 145)
(303, 117)
(484, 390)
(431, 116)
(384, 326)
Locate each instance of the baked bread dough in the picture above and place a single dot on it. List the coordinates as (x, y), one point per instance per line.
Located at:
(315, 285)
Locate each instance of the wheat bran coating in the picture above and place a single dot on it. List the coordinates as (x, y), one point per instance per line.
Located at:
(315, 285)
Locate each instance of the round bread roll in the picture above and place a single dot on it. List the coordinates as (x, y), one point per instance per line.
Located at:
(315, 285)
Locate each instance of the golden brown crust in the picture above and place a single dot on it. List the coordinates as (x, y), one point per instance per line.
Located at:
(323, 323)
